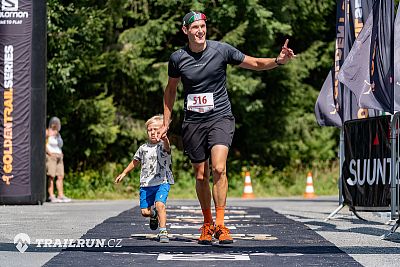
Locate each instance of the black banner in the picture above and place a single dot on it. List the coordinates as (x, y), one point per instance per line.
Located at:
(325, 109)
(336, 103)
(397, 61)
(15, 92)
(367, 166)
(327, 105)
(357, 12)
(368, 69)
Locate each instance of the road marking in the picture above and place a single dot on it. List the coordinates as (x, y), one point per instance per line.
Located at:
(243, 216)
(256, 237)
(289, 254)
(209, 256)
(185, 226)
(202, 257)
(188, 217)
(198, 208)
(200, 220)
(198, 211)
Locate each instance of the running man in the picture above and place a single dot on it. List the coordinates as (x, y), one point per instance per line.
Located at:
(208, 125)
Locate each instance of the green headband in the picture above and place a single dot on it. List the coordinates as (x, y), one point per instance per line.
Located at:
(194, 17)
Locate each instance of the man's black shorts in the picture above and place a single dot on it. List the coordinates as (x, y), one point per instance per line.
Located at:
(199, 138)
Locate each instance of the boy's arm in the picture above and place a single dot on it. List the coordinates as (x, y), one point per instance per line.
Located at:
(127, 170)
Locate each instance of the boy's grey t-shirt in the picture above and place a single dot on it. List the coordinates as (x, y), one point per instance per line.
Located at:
(156, 165)
(205, 72)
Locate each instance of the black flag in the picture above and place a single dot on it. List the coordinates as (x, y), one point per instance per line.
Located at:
(325, 110)
(357, 12)
(367, 70)
(336, 103)
(327, 105)
(396, 91)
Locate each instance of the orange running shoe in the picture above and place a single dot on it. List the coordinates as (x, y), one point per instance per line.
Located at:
(207, 231)
(223, 235)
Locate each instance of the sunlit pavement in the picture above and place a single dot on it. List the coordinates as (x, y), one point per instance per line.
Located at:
(267, 232)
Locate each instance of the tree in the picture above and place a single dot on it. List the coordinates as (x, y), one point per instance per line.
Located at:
(107, 68)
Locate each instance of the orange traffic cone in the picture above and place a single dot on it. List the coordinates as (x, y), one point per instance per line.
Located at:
(248, 188)
(309, 193)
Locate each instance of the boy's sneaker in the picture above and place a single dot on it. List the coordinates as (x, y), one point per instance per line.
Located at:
(163, 237)
(207, 231)
(64, 199)
(223, 235)
(53, 199)
(154, 221)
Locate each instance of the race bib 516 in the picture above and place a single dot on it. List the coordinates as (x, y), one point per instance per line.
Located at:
(200, 102)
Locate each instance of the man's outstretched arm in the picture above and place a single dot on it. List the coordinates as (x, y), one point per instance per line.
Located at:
(259, 64)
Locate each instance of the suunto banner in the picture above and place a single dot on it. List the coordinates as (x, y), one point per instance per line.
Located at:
(367, 165)
(15, 94)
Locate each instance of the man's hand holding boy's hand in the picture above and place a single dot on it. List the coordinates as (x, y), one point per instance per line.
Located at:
(164, 138)
(162, 133)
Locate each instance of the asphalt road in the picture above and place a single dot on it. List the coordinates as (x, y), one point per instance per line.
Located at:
(268, 232)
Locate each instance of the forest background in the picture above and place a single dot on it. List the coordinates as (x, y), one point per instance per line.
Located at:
(107, 69)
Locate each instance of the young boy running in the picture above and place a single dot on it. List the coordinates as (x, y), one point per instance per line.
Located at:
(155, 176)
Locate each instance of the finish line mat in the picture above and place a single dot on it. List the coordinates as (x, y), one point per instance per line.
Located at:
(262, 237)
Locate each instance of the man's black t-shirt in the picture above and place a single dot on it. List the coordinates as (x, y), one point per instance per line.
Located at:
(203, 76)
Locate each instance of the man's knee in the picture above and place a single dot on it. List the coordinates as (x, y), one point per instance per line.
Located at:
(201, 177)
(219, 170)
(201, 174)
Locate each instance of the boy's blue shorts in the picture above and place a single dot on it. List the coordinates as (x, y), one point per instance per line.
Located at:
(150, 195)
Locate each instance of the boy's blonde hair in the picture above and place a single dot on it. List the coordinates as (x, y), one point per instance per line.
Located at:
(156, 118)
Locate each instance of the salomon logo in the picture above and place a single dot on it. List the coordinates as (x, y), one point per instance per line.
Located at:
(9, 5)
